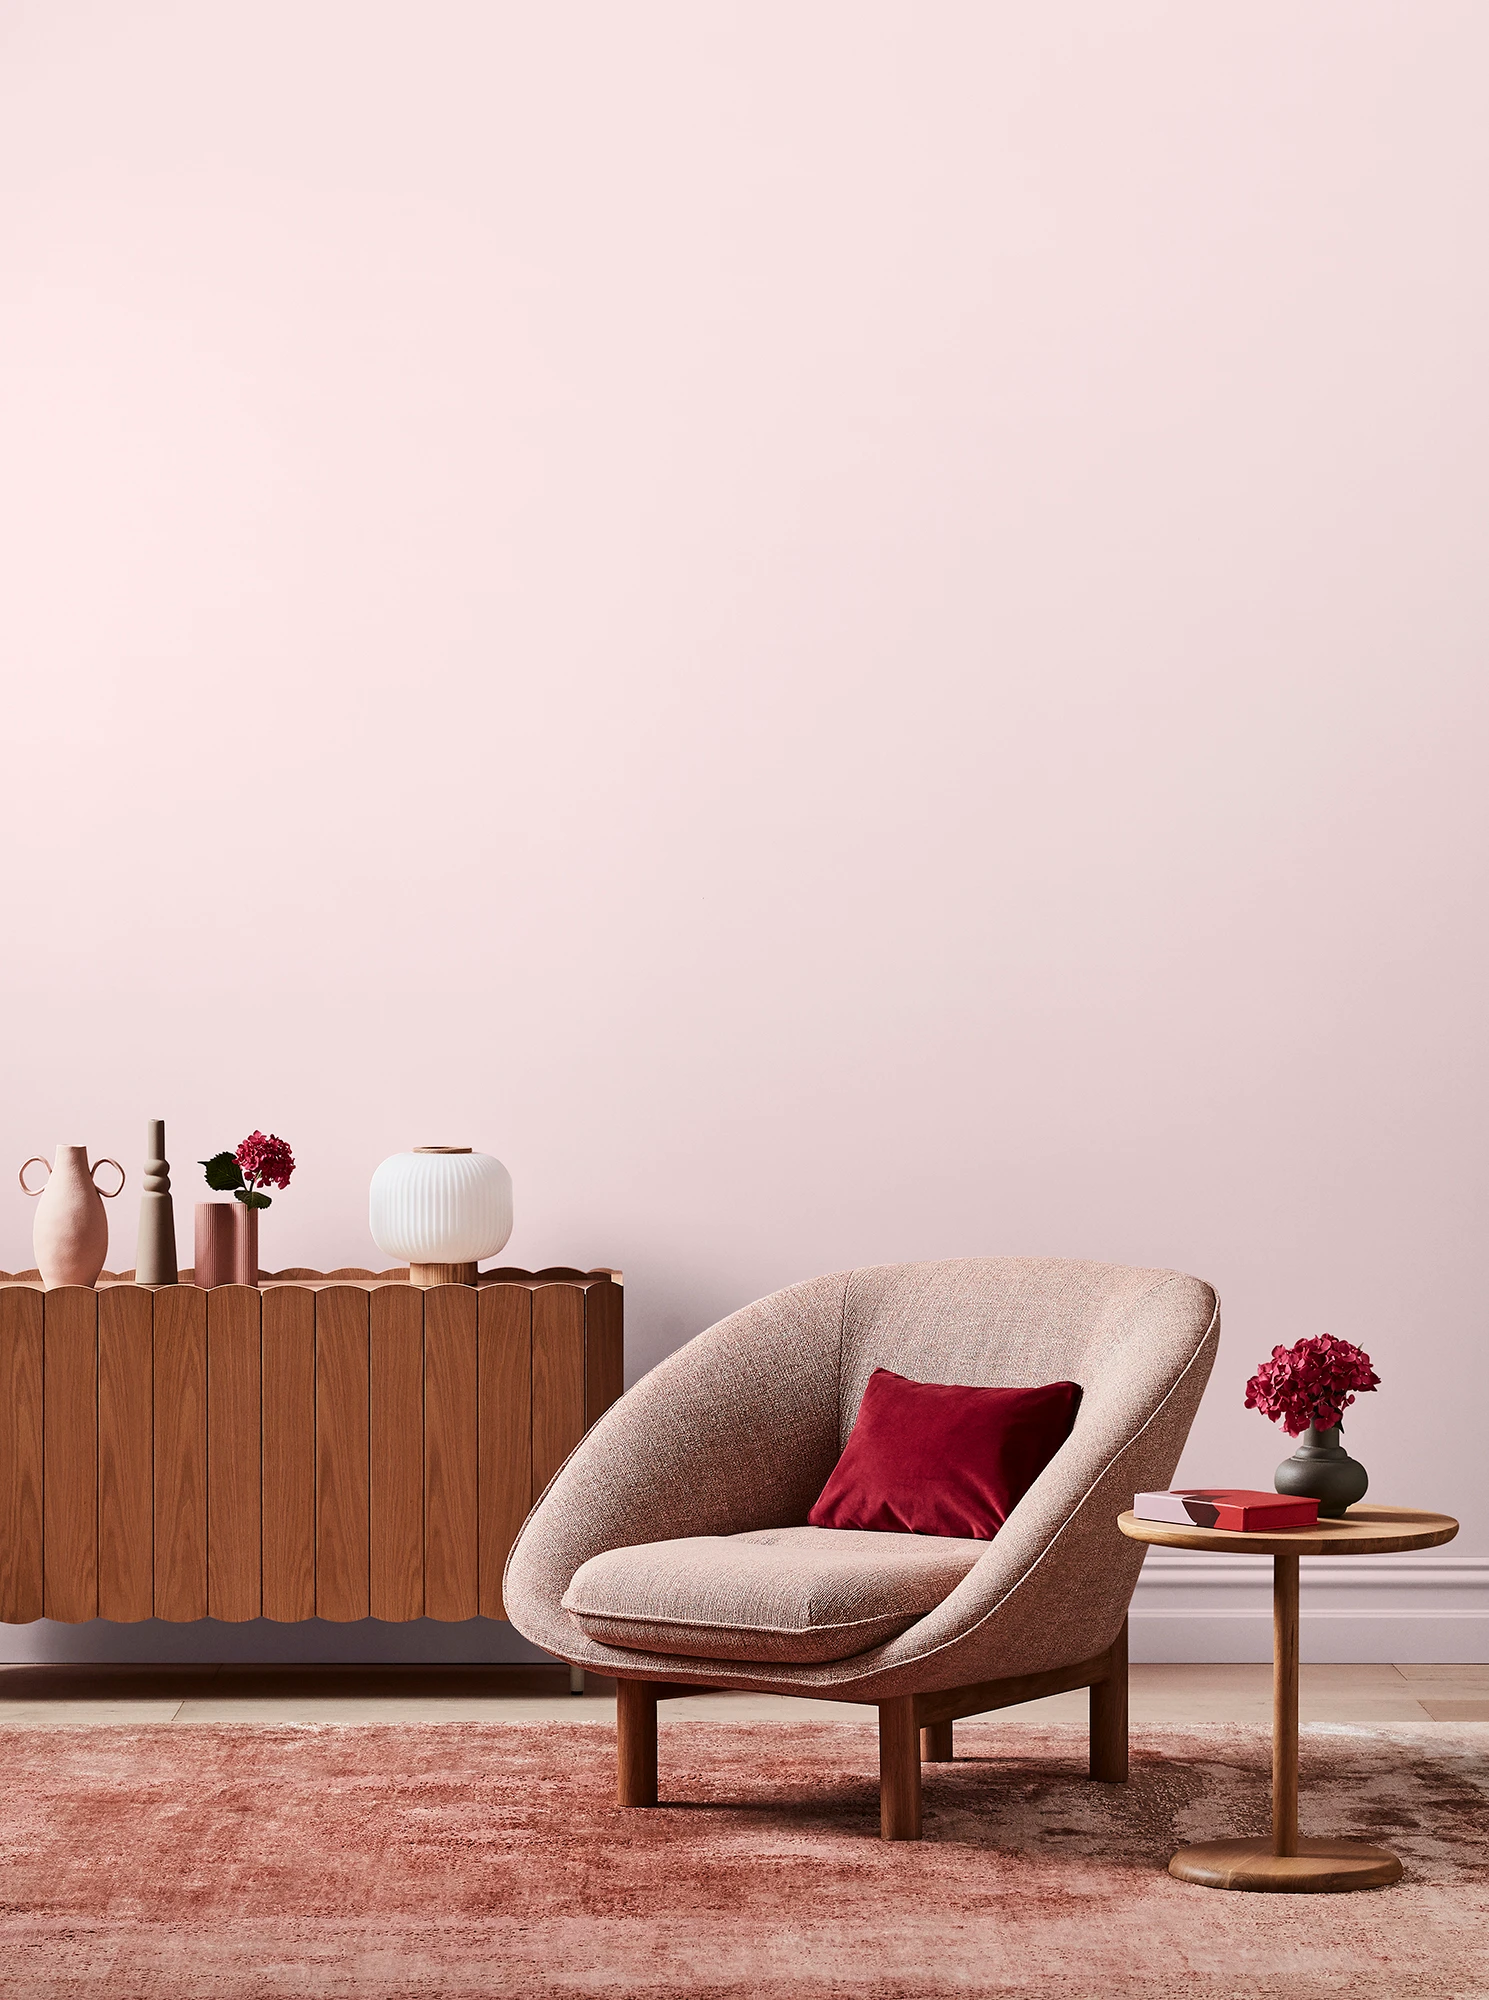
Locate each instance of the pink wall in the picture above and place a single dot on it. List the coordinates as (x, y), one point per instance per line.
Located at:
(848, 632)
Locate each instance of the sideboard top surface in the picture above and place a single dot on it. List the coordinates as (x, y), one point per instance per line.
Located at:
(307, 1280)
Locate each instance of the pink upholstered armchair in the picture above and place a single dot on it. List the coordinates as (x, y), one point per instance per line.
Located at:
(671, 1549)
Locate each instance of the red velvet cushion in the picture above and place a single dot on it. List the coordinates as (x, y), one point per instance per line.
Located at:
(934, 1458)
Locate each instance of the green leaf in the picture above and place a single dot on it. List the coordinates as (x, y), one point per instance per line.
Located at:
(251, 1200)
(223, 1172)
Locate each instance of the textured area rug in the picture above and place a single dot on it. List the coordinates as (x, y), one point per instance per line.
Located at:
(472, 1859)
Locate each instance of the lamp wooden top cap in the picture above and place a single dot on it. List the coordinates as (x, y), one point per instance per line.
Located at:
(443, 1149)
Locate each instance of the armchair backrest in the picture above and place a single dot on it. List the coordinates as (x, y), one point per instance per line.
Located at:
(1013, 1322)
(1055, 1583)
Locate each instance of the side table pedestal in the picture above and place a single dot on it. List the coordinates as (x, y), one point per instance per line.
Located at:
(1318, 1865)
(1288, 1862)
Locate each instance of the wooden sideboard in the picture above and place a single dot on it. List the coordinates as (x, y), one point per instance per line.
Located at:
(322, 1445)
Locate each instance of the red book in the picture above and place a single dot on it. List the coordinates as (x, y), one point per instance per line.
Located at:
(1226, 1507)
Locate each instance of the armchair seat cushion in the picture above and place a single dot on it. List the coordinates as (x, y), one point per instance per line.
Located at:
(801, 1594)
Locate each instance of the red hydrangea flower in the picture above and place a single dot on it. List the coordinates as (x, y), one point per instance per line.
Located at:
(1313, 1382)
(266, 1162)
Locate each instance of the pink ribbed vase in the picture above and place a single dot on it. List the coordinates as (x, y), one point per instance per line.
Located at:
(213, 1260)
(227, 1244)
(245, 1244)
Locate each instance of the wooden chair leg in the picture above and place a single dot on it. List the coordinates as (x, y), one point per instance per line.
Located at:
(935, 1743)
(899, 1769)
(1109, 1718)
(636, 1743)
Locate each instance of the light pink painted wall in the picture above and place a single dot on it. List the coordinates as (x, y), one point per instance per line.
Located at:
(848, 632)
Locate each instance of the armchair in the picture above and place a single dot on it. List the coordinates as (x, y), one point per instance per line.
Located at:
(732, 1438)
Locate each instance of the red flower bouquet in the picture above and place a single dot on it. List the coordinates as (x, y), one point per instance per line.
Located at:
(1310, 1384)
(261, 1161)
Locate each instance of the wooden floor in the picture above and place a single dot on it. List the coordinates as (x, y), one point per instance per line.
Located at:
(91, 1695)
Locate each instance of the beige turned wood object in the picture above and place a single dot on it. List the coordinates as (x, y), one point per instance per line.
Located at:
(155, 1249)
(1289, 1861)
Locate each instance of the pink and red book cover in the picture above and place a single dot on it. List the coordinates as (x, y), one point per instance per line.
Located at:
(1232, 1507)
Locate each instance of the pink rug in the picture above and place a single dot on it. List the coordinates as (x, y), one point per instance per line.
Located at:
(462, 1860)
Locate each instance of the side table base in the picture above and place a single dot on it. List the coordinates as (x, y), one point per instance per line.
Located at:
(1320, 1867)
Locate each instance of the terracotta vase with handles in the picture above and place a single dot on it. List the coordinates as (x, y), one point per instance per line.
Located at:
(70, 1236)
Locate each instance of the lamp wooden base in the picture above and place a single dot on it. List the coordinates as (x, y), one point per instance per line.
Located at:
(426, 1275)
(1321, 1867)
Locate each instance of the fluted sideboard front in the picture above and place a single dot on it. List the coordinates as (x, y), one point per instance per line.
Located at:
(318, 1446)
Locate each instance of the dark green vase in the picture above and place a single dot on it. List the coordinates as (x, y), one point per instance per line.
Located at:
(1322, 1470)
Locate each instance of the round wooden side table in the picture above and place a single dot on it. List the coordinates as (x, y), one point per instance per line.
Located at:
(1287, 1861)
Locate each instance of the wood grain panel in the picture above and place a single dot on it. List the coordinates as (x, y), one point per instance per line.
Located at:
(558, 1378)
(287, 1352)
(70, 1453)
(342, 1554)
(451, 1535)
(180, 1452)
(292, 1453)
(126, 1452)
(505, 1431)
(396, 1350)
(604, 1350)
(234, 1490)
(21, 1597)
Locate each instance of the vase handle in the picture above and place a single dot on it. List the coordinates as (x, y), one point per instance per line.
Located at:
(35, 1161)
(107, 1193)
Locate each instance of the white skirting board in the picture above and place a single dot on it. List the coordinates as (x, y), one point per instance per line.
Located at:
(1419, 1609)
(1416, 1609)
